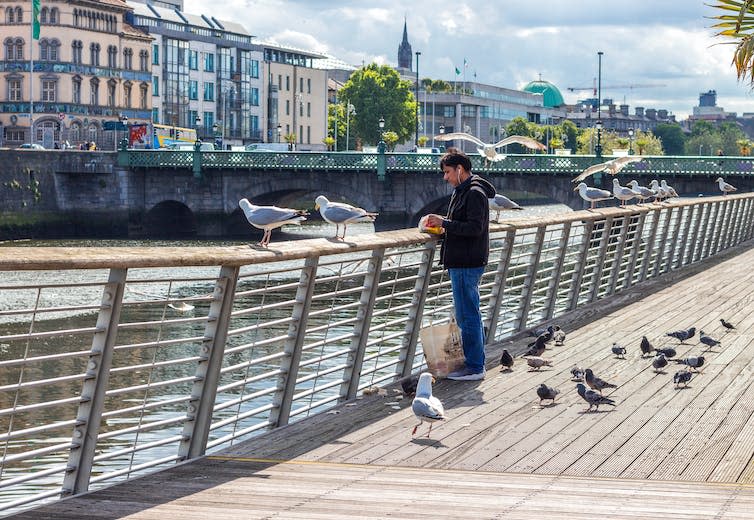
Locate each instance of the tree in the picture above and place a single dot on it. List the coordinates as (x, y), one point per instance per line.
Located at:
(570, 134)
(329, 142)
(736, 25)
(377, 91)
(390, 139)
(672, 138)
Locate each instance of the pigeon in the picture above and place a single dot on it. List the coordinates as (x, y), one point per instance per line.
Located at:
(707, 340)
(408, 384)
(545, 336)
(502, 203)
(682, 335)
(559, 336)
(426, 407)
(622, 193)
(612, 167)
(642, 192)
(646, 346)
(340, 213)
(489, 151)
(538, 332)
(659, 362)
(692, 362)
(728, 326)
(537, 362)
(546, 392)
(537, 350)
(593, 398)
(595, 383)
(506, 361)
(724, 186)
(592, 195)
(620, 352)
(682, 377)
(668, 352)
(577, 374)
(270, 217)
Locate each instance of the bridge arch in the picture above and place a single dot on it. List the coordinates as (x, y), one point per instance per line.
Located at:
(169, 218)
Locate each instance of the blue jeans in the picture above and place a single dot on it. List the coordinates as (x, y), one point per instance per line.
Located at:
(465, 284)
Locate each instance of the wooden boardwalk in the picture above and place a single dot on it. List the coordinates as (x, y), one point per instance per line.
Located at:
(661, 452)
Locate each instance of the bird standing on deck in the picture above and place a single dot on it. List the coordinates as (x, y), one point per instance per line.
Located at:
(612, 167)
(646, 347)
(489, 151)
(545, 393)
(577, 374)
(268, 218)
(682, 377)
(707, 340)
(595, 383)
(694, 362)
(593, 398)
(340, 213)
(619, 351)
(724, 186)
(659, 362)
(506, 361)
(500, 203)
(536, 362)
(592, 195)
(668, 189)
(558, 336)
(682, 335)
(426, 407)
(728, 326)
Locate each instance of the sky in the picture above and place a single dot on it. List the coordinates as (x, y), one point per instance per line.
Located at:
(656, 53)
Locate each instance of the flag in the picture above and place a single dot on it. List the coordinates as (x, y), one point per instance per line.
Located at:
(458, 72)
(35, 18)
(465, 63)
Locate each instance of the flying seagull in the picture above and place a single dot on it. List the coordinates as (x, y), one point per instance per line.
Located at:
(612, 167)
(724, 186)
(340, 213)
(592, 195)
(489, 151)
(502, 203)
(270, 217)
(426, 407)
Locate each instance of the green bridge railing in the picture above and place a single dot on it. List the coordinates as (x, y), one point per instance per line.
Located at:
(537, 164)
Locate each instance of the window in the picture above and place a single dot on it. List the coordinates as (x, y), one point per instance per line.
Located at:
(76, 48)
(287, 83)
(49, 89)
(209, 91)
(48, 49)
(301, 108)
(194, 60)
(94, 92)
(308, 85)
(43, 15)
(74, 134)
(155, 54)
(208, 120)
(287, 107)
(111, 93)
(193, 89)
(254, 97)
(14, 89)
(92, 132)
(112, 56)
(155, 86)
(14, 15)
(14, 49)
(143, 90)
(94, 49)
(280, 82)
(254, 65)
(300, 84)
(308, 109)
(54, 16)
(143, 60)
(128, 59)
(127, 94)
(254, 123)
(76, 90)
(209, 62)
(156, 115)
(48, 127)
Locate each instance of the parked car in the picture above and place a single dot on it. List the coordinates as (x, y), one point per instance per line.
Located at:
(31, 146)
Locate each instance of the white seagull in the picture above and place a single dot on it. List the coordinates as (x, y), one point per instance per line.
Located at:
(270, 217)
(612, 167)
(642, 192)
(426, 407)
(502, 203)
(660, 192)
(592, 195)
(622, 193)
(489, 151)
(725, 187)
(668, 188)
(340, 213)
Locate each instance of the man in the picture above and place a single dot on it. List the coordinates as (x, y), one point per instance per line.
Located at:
(464, 254)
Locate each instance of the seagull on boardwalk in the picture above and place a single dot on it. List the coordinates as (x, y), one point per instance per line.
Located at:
(595, 383)
(426, 407)
(612, 167)
(707, 340)
(622, 193)
(270, 217)
(728, 326)
(489, 151)
(646, 346)
(668, 189)
(619, 351)
(682, 377)
(545, 392)
(642, 192)
(592, 195)
(695, 362)
(724, 186)
(506, 360)
(502, 203)
(593, 398)
(340, 213)
(682, 335)
(659, 362)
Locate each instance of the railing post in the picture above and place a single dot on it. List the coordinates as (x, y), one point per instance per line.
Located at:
(733, 232)
(89, 415)
(693, 235)
(675, 237)
(684, 237)
(529, 279)
(498, 286)
(204, 391)
(551, 296)
(749, 219)
(628, 279)
(708, 233)
(352, 373)
(618, 255)
(649, 245)
(579, 265)
(289, 365)
(414, 322)
(663, 242)
(718, 225)
(594, 288)
(726, 227)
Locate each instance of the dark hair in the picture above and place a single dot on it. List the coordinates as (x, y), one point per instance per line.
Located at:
(455, 157)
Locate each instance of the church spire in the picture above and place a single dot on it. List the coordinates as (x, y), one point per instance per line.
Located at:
(405, 56)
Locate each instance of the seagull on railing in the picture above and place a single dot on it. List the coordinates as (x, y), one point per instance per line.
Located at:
(660, 192)
(502, 203)
(622, 193)
(612, 167)
(340, 213)
(489, 151)
(592, 195)
(668, 189)
(725, 187)
(642, 192)
(270, 217)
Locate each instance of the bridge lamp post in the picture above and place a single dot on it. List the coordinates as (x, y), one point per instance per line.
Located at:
(630, 141)
(197, 122)
(350, 109)
(122, 120)
(442, 131)
(416, 135)
(598, 148)
(280, 131)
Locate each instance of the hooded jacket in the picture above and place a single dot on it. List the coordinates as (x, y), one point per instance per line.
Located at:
(467, 225)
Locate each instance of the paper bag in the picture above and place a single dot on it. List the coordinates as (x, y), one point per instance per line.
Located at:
(442, 348)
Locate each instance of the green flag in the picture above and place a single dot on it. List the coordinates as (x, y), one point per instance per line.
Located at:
(35, 18)
(458, 72)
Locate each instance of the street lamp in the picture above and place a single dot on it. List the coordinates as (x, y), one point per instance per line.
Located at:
(442, 131)
(630, 141)
(197, 122)
(122, 120)
(381, 145)
(416, 137)
(350, 109)
(280, 131)
(598, 148)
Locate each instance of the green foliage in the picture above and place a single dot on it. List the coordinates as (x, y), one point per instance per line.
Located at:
(390, 138)
(708, 139)
(645, 143)
(672, 138)
(735, 25)
(377, 91)
(422, 141)
(569, 134)
(329, 142)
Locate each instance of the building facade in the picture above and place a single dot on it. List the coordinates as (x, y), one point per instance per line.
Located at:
(88, 70)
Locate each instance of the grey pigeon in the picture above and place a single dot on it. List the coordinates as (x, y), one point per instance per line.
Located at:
(593, 398)
(682, 335)
(537, 362)
(537, 349)
(543, 338)
(728, 325)
(659, 362)
(707, 340)
(546, 392)
(577, 374)
(559, 336)
(619, 351)
(646, 347)
(506, 361)
(668, 352)
(692, 362)
(595, 383)
(682, 377)
(408, 384)
(426, 407)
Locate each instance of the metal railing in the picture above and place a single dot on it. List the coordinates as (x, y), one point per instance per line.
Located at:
(119, 361)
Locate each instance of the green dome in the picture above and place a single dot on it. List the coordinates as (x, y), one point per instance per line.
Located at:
(550, 93)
